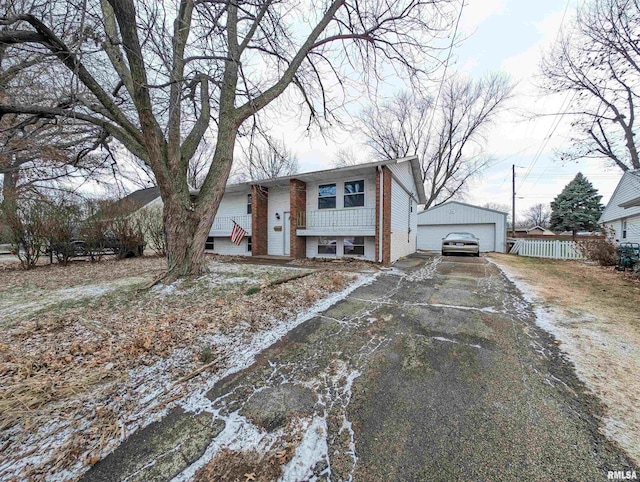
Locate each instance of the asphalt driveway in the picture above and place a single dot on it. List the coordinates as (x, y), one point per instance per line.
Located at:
(435, 371)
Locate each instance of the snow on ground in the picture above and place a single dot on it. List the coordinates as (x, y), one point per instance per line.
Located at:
(606, 355)
(147, 391)
(240, 433)
(26, 303)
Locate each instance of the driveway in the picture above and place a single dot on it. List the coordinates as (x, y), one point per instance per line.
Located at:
(435, 371)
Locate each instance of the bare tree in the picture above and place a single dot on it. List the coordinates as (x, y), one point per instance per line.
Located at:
(155, 88)
(537, 215)
(447, 137)
(38, 154)
(347, 156)
(597, 63)
(502, 207)
(266, 158)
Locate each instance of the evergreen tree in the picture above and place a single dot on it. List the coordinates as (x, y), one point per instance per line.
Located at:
(577, 207)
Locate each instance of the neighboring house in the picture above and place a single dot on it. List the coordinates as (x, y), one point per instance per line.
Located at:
(488, 225)
(622, 214)
(523, 232)
(143, 198)
(367, 211)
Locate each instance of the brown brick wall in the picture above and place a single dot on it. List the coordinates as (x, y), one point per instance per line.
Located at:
(386, 216)
(297, 204)
(376, 239)
(259, 220)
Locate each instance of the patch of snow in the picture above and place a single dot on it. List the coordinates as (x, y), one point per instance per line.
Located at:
(449, 340)
(166, 290)
(238, 434)
(312, 449)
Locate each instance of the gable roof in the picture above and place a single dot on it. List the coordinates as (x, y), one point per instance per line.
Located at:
(462, 204)
(625, 200)
(142, 197)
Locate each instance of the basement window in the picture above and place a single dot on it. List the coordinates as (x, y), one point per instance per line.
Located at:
(209, 244)
(327, 245)
(354, 246)
(327, 196)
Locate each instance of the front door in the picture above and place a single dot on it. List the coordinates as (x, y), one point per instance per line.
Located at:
(287, 233)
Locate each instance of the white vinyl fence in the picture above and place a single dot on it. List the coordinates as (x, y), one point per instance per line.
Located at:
(542, 248)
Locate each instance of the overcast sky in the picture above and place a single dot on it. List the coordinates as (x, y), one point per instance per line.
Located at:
(509, 36)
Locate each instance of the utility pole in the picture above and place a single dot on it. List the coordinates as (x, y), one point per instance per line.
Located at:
(513, 200)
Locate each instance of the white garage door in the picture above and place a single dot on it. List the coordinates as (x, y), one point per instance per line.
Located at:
(430, 237)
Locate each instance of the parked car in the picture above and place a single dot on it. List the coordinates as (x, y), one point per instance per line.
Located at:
(460, 243)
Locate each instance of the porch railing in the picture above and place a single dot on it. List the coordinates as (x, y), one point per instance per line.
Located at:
(359, 218)
(225, 223)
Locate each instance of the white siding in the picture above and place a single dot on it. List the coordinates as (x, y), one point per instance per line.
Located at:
(403, 222)
(464, 217)
(223, 245)
(628, 188)
(633, 229)
(369, 191)
(234, 206)
(402, 172)
(312, 248)
(278, 203)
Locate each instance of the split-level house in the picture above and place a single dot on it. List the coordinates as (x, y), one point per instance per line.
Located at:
(367, 211)
(621, 217)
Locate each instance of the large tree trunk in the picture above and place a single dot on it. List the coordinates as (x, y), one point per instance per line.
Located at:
(188, 219)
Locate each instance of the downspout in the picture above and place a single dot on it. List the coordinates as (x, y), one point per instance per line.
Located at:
(380, 211)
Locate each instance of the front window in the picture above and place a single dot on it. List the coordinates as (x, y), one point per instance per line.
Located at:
(354, 246)
(209, 245)
(327, 245)
(248, 203)
(326, 196)
(353, 194)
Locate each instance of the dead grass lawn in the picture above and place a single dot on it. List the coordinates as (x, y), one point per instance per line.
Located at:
(595, 313)
(80, 375)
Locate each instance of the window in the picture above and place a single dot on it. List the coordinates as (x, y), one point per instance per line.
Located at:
(353, 194)
(354, 246)
(249, 244)
(624, 229)
(326, 196)
(248, 203)
(327, 245)
(209, 243)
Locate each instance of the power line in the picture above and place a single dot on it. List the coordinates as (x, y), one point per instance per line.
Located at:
(446, 65)
(553, 127)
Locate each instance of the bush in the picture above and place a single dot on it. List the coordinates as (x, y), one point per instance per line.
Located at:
(61, 227)
(25, 223)
(152, 223)
(602, 251)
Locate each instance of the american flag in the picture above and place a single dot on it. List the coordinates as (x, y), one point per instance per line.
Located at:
(237, 234)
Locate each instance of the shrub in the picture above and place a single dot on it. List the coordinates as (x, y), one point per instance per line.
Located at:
(602, 251)
(25, 223)
(61, 227)
(152, 223)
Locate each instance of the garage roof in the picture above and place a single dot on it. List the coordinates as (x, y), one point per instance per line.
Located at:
(456, 212)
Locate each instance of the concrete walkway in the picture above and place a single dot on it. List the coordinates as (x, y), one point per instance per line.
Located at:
(435, 371)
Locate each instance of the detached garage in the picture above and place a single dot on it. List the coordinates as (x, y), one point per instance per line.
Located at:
(489, 226)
